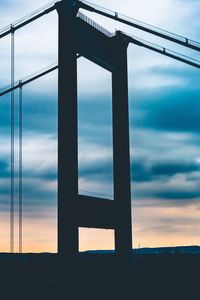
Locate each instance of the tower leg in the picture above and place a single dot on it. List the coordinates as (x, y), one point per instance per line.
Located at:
(121, 157)
(67, 130)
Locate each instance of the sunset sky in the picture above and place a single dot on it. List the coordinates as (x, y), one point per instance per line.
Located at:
(164, 129)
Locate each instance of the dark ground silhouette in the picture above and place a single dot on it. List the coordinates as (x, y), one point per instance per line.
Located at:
(100, 276)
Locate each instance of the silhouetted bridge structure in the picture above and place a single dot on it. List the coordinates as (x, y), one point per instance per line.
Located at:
(81, 36)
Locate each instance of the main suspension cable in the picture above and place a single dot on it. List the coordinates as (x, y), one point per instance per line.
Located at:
(40, 73)
(162, 50)
(28, 18)
(167, 35)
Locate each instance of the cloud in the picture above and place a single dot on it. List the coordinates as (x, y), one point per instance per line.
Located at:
(39, 173)
(101, 170)
(3, 168)
(177, 194)
(176, 188)
(172, 168)
(168, 110)
(140, 171)
(144, 170)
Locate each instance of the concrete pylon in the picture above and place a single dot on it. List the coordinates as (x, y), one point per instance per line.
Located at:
(81, 36)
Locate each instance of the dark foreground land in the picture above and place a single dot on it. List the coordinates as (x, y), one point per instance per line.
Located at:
(100, 276)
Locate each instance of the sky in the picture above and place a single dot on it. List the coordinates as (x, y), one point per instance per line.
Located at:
(164, 129)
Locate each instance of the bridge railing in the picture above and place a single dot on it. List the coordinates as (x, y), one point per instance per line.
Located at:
(94, 24)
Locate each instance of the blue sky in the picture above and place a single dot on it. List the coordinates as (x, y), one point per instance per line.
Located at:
(164, 127)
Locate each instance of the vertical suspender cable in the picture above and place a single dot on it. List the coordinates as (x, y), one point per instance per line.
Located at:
(12, 124)
(20, 168)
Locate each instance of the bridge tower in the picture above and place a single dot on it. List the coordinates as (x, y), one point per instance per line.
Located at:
(78, 37)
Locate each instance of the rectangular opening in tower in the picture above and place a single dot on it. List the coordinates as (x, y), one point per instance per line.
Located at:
(95, 130)
(96, 239)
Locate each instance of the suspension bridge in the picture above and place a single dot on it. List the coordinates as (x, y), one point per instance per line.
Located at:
(80, 36)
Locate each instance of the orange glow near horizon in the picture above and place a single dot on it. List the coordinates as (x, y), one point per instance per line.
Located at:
(153, 226)
(93, 239)
(159, 226)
